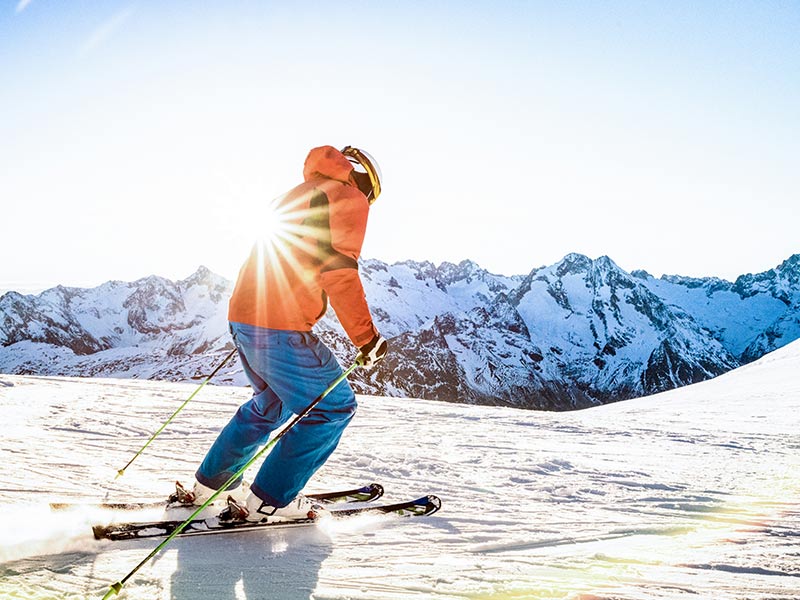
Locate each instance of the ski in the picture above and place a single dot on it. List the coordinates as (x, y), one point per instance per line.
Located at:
(368, 493)
(426, 505)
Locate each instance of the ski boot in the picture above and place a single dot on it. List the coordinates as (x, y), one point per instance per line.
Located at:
(255, 510)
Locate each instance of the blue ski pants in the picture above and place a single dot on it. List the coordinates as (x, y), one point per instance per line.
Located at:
(287, 371)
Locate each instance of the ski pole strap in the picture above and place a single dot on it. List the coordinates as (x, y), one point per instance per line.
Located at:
(121, 472)
(115, 588)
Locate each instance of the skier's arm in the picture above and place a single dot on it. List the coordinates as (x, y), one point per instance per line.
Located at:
(346, 295)
(339, 273)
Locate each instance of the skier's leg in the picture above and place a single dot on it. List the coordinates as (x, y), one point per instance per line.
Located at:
(249, 428)
(306, 369)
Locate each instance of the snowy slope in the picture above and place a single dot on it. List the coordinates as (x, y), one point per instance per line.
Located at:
(692, 493)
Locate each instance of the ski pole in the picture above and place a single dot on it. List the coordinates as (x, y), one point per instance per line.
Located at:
(121, 472)
(116, 587)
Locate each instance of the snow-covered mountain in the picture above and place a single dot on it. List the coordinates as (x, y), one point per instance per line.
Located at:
(152, 328)
(573, 334)
(752, 316)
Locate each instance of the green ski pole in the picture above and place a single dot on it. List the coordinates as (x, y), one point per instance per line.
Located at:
(116, 587)
(121, 472)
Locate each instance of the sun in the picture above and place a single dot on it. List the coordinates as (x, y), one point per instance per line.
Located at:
(279, 234)
(272, 227)
(287, 234)
(270, 224)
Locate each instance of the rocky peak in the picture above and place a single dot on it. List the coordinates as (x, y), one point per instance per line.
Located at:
(206, 278)
(793, 263)
(573, 264)
(604, 263)
(153, 305)
(605, 272)
(202, 275)
(789, 271)
(782, 282)
(696, 282)
(421, 270)
(448, 273)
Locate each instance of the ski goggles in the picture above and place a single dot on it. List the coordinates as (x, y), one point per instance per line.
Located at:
(369, 166)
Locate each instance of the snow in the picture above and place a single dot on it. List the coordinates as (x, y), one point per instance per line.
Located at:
(738, 320)
(692, 493)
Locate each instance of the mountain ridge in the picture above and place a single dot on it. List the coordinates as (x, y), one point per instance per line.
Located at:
(569, 335)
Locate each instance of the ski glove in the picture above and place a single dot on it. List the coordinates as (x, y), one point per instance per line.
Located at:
(373, 352)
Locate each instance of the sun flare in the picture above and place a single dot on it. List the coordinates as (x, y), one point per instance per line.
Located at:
(270, 225)
(286, 234)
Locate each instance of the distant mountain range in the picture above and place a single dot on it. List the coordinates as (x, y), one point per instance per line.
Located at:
(570, 335)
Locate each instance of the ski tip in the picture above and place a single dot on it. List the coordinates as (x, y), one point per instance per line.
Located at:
(428, 505)
(375, 490)
(434, 504)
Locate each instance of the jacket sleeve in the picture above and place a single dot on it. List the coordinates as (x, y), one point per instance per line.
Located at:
(339, 272)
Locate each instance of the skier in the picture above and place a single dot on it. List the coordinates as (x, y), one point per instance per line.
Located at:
(282, 291)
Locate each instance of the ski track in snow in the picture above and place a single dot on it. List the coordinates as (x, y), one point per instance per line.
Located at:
(688, 494)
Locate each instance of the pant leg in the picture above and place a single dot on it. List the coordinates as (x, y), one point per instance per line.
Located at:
(298, 374)
(245, 433)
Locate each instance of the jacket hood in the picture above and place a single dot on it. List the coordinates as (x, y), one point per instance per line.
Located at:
(327, 161)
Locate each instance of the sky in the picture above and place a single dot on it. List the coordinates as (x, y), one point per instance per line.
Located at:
(142, 138)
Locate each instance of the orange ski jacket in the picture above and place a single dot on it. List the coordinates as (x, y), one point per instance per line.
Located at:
(286, 282)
